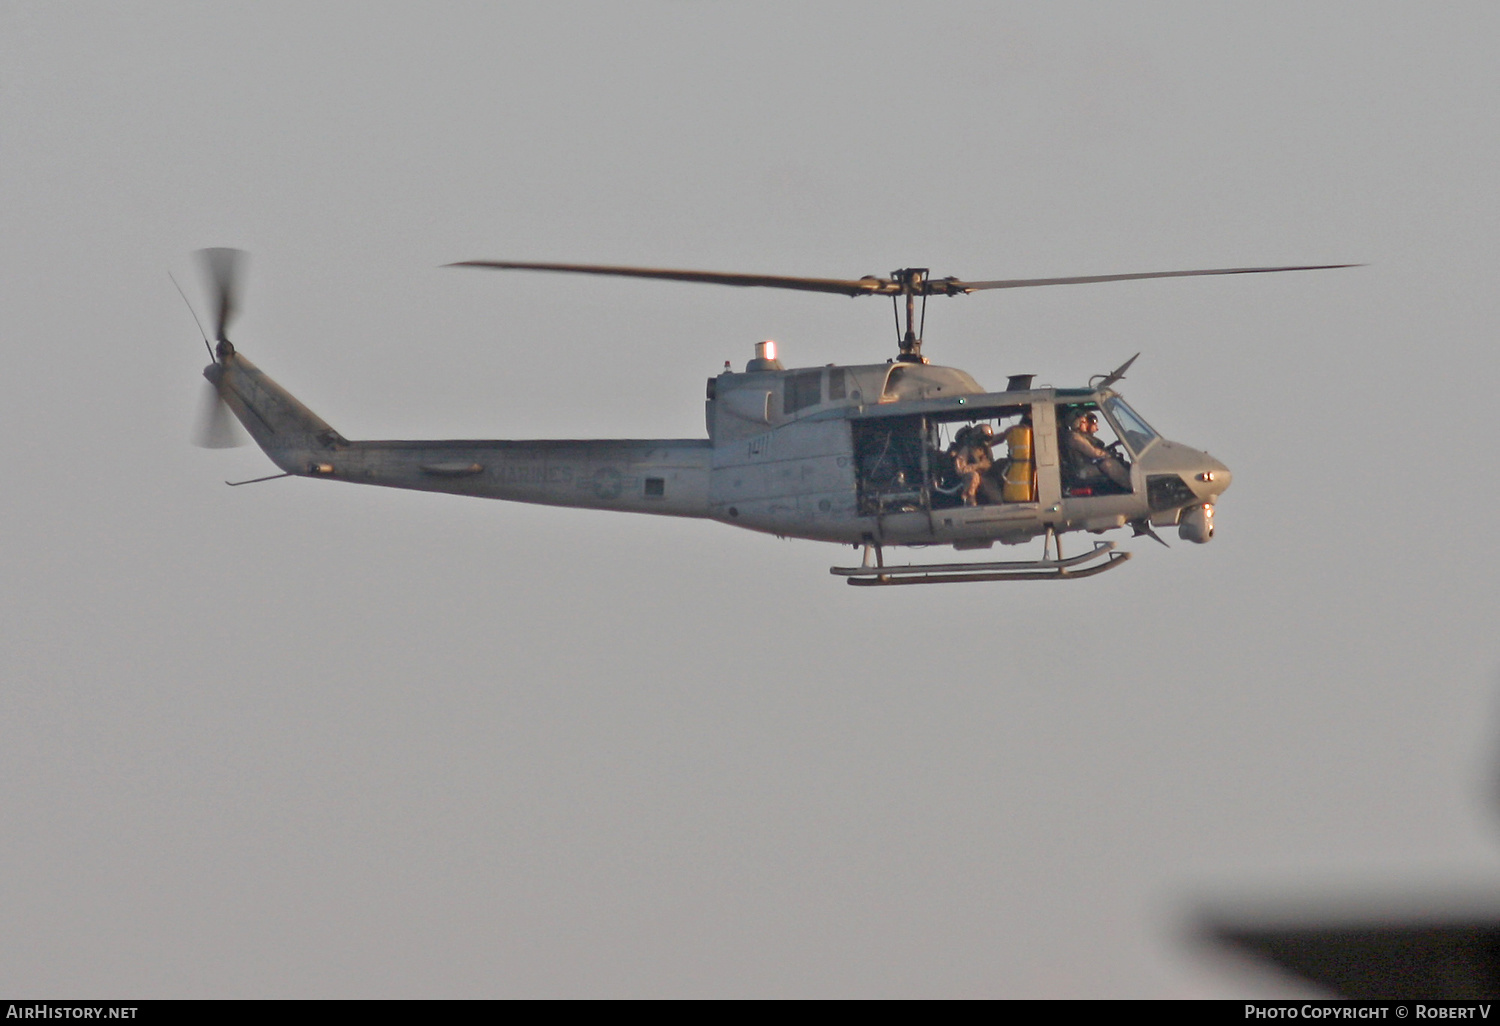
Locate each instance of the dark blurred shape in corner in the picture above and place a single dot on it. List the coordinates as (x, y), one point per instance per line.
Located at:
(1402, 945)
(1392, 960)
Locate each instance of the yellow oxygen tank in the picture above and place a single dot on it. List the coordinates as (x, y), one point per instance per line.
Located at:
(1019, 482)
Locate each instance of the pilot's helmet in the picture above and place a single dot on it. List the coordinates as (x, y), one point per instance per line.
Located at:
(986, 432)
(1082, 415)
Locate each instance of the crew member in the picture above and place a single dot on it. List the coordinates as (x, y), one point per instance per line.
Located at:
(1090, 461)
(972, 459)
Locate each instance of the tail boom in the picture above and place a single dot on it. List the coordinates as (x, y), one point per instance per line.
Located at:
(286, 430)
(662, 476)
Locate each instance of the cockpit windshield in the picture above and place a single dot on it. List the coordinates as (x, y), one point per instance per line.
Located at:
(1136, 432)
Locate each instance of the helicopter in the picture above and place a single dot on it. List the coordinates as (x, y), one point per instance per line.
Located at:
(893, 454)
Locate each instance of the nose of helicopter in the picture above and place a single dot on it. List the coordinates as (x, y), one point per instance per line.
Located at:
(1212, 479)
(1204, 476)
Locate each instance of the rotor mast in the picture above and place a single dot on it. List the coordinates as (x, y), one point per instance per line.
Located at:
(913, 282)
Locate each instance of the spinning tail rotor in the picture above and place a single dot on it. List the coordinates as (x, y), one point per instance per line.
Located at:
(224, 270)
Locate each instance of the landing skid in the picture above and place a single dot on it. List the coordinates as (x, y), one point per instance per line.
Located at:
(1044, 569)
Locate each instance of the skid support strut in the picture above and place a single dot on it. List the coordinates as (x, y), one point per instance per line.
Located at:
(873, 560)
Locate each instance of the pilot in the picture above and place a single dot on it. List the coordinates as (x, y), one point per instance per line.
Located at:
(972, 459)
(1091, 462)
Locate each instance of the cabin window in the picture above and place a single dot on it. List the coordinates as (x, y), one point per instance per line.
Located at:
(656, 487)
(1136, 432)
(979, 461)
(836, 386)
(803, 389)
(978, 458)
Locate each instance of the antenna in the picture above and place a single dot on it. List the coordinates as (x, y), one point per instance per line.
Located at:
(195, 316)
(1118, 374)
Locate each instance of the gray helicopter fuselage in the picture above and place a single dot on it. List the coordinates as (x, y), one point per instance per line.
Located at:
(839, 454)
(788, 459)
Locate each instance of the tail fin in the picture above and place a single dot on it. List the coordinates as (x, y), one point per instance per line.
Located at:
(290, 433)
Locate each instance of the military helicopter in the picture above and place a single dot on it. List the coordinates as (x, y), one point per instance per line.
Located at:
(900, 453)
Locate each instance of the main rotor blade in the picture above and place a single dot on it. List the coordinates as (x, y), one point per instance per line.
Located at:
(225, 270)
(868, 285)
(951, 285)
(848, 287)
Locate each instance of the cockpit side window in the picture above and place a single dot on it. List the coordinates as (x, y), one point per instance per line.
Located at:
(1135, 431)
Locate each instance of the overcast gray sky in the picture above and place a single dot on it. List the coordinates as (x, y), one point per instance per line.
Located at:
(299, 739)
